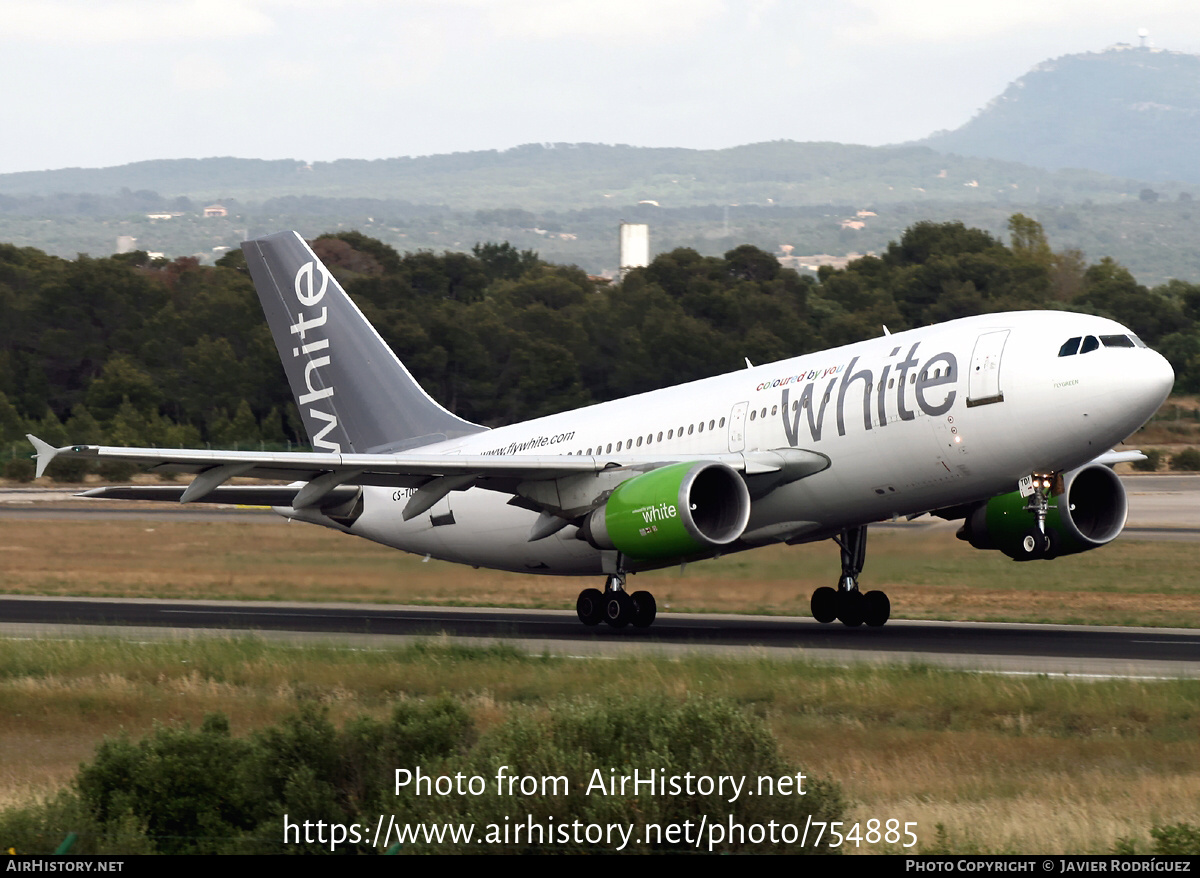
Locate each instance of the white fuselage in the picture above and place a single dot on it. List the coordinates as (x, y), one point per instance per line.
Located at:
(920, 420)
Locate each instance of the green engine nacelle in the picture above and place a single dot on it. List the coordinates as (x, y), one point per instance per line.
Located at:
(675, 511)
(1090, 512)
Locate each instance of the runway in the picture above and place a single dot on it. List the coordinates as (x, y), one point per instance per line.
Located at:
(1161, 507)
(1021, 648)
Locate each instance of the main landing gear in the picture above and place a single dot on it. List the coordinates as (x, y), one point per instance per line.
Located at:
(847, 603)
(616, 606)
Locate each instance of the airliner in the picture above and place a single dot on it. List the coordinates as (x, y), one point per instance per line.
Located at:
(1003, 421)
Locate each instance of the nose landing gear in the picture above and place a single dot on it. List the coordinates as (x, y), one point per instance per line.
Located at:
(846, 603)
(1038, 542)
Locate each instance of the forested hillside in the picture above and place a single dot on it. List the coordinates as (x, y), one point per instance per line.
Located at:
(1128, 111)
(126, 350)
(569, 176)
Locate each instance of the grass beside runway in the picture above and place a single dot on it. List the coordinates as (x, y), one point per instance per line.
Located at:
(927, 573)
(980, 762)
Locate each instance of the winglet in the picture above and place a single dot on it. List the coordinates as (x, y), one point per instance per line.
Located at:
(45, 453)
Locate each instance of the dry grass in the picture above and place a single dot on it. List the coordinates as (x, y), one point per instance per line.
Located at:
(1004, 764)
(926, 571)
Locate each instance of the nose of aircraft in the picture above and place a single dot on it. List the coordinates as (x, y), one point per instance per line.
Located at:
(1160, 377)
(1146, 388)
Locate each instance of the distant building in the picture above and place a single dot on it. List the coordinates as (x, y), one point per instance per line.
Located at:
(159, 216)
(635, 246)
(215, 210)
(812, 263)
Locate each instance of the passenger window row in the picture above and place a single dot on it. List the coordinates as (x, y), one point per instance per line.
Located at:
(651, 438)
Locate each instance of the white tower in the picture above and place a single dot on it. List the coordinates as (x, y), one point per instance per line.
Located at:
(635, 246)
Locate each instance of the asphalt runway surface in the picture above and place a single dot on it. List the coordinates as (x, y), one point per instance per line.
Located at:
(1051, 649)
(1161, 507)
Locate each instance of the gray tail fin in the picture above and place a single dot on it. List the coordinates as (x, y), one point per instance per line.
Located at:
(353, 393)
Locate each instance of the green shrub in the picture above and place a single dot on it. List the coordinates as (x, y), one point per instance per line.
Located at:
(1179, 838)
(594, 745)
(20, 469)
(1152, 462)
(116, 470)
(1188, 459)
(185, 790)
(68, 470)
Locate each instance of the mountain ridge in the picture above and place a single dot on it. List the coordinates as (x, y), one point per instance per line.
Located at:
(1126, 111)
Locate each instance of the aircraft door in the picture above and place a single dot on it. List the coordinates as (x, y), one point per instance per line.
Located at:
(984, 384)
(737, 427)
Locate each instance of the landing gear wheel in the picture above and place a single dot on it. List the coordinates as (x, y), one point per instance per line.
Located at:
(1053, 545)
(850, 608)
(645, 609)
(590, 606)
(824, 605)
(618, 609)
(876, 609)
(1031, 546)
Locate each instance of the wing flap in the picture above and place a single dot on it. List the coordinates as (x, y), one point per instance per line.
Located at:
(233, 495)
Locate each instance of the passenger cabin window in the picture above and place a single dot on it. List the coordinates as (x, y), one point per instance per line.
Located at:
(1089, 344)
(1116, 341)
(1070, 347)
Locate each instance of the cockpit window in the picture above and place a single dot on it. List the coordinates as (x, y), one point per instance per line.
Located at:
(1116, 341)
(1089, 344)
(1070, 347)
(1137, 341)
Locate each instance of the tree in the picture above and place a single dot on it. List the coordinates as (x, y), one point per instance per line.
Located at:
(1029, 240)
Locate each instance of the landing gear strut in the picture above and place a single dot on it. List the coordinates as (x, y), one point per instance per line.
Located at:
(847, 603)
(1038, 542)
(615, 605)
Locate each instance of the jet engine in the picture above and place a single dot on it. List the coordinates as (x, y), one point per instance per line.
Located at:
(1089, 512)
(675, 511)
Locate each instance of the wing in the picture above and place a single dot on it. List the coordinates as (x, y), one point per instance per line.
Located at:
(565, 485)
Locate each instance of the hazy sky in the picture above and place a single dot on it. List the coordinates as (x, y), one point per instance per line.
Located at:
(103, 82)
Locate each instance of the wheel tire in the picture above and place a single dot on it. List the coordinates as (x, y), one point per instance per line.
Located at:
(877, 609)
(645, 609)
(1031, 546)
(1053, 545)
(824, 605)
(850, 608)
(618, 609)
(590, 606)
